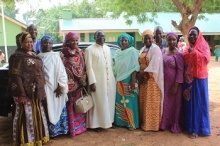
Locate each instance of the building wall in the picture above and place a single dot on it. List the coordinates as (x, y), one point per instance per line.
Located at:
(12, 30)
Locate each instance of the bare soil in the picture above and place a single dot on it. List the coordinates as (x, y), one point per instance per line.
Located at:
(123, 137)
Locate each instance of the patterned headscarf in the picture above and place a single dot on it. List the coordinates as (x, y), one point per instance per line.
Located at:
(172, 34)
(24, 36)
(18, 39)
(128, 37)
(46, 37)
(69, 36)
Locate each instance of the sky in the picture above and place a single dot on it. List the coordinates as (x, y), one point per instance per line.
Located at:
(39, 4)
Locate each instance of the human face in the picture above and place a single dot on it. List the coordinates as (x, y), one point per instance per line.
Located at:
(73, 43)
(148, 40)
(33, 32)
(172, 41)
(100, 38)
(27, 45)
(158, 34)
(47, 46)
(124, 43)
(193, 35)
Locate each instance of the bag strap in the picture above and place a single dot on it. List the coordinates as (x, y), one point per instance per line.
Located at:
(85, 91)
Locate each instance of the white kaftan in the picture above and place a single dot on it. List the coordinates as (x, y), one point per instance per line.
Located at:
(54, 72)
(99, 70)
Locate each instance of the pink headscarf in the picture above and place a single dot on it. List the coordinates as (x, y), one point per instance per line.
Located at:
(172, 34)
(69, 36)
(198, 59)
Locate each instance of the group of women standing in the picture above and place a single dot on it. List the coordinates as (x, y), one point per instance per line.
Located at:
(155, 86)
(173, 85)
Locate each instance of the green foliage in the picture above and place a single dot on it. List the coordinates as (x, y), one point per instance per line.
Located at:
(47, 21)
(9, 9)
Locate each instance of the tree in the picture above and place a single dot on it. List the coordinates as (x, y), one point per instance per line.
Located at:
(47, 20)
(10, 10)
(189, 10)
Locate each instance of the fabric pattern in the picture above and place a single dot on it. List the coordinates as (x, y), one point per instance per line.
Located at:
(149, 99)
(61, 126)
(30, 123)
(75, 68)
(127, 113)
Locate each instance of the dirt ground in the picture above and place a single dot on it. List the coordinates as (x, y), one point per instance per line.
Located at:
(123, 137)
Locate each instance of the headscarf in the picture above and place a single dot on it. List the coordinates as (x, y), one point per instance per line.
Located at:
(69, 36)
(173, 34)
(128, 37)
(46, 37)
(18, 39)
(147, 32)
(198, 59)
(25, 36)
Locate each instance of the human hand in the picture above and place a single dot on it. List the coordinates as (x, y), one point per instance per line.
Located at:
(93, 87)
(58, 91)
(82, 82)
(190, 49)
(174, 89)
(22, 100)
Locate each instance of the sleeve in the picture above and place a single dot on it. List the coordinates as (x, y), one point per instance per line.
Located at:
(89, 67)
(15, 79)
(179, 67)
(62, 78)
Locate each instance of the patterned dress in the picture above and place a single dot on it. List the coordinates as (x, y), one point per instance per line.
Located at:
(126, 104)
(26, 79)
(75, 69)
(150, 99)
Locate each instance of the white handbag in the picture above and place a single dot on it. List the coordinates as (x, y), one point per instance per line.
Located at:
(84, 103)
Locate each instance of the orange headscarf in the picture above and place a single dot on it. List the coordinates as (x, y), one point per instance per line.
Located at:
(198, 59)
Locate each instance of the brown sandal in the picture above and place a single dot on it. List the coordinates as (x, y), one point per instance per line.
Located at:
(193, 135)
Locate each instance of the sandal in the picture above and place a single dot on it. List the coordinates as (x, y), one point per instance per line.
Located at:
(131, 129)
(193, 135)
(97, 129)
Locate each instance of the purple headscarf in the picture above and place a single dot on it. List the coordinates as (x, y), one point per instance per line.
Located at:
(172, 34)
(69, 36)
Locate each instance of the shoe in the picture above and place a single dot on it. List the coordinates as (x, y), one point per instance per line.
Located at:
(97, 129)
(131, 129)
(193, 135)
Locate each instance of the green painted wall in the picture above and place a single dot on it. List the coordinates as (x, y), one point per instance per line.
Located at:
(111, 37)
(12, 30)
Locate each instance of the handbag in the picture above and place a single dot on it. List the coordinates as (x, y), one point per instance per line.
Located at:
(84, 103)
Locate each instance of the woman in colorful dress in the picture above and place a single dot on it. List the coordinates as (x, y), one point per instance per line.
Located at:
(56, 88)
(173, 78)
(26, 84)
(73, 59)
(126, 67)
(196, 98)
(151, 84)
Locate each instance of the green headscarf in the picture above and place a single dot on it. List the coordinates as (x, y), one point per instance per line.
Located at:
(128, 37)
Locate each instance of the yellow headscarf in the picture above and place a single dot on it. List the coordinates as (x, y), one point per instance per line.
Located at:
(147, 32)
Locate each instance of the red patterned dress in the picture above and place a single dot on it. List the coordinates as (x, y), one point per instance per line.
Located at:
(75, 67)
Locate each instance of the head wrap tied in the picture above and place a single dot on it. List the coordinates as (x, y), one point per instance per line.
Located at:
(46, 37)
(25, 36)
(147, 32)
(69, 36)
(128, 37)
(173, 34)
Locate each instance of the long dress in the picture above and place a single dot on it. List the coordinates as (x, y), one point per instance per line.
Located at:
(172, 109)
(75, 69)
(151, 93)
(55, 73)
(195, 89)
(99, 70)
(126, 104)
(26, 79)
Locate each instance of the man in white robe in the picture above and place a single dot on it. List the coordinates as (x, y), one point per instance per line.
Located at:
(101, 82)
